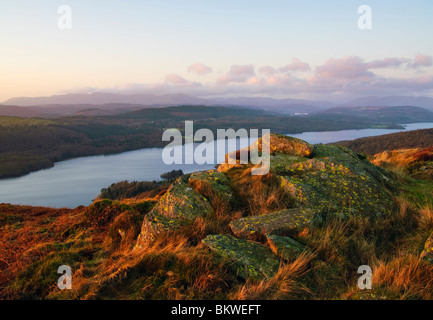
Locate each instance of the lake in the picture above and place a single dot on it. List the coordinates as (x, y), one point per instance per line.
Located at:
(78, 181)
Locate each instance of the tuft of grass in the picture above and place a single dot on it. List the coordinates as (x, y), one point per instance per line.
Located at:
(284, 285)
(403, 277)
(259, 194)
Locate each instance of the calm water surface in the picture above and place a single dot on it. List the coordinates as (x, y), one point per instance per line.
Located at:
(76, 182)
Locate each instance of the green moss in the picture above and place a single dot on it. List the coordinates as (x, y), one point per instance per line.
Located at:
(419, 192)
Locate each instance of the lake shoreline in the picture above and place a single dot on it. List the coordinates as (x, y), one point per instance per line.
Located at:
(47, 165)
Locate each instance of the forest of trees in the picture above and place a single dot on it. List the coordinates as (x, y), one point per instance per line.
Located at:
(125, 189)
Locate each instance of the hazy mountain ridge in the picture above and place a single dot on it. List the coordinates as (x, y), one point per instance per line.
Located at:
(112, 103)
(284, 106)
(392, 101)
(380, 114)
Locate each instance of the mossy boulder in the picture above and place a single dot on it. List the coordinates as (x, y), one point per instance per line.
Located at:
(275, 143)
(247, 259)
(427, 254)
(355, 162)
(283, 222)
(279, 143)
(212, 184)
(337, 180)
(328, 179)
(285, 247)
(180, 206)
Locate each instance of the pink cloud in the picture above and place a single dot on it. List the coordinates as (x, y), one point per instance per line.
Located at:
(386, 63)
(354, 67)
(421, 60)
(175, 79)
(344, 68)
(337, 77)
(200, 69)
(237, 74)
(267, 71)
(296, 65)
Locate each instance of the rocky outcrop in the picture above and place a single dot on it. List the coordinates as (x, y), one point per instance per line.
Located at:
(212, 183)
(337, 181)
(283, 144)
(180, 206)
(322, 180)
(276, 144)
(247, 259)
(284, 222)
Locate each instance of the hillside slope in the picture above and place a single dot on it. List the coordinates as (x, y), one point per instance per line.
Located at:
(422, 138)
(299, 232)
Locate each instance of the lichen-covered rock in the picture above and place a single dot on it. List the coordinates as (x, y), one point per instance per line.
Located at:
(351, 160)
(337, 181)
(284, 222)
(279, 143)
(328, 179)
(285, 247)
(427, 254)
(180, 206)
(275, 143)
(217, 182)
(247, 259)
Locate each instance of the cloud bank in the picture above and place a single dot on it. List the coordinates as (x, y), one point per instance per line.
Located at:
(199, 69)
(344, 77)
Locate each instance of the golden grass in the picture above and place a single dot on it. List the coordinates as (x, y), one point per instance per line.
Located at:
(31, 238)
(403, 157)
(284, 285)
(405, 277)
(178, 266)
(425, 218)
(259, 194)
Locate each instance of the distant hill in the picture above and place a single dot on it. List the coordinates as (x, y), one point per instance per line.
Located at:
(401, 140)
(62, 110)
(105, 98)
(392, 101)
(391, 115)
(283, 106)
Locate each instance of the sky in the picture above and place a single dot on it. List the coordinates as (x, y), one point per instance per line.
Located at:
(207, 48)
